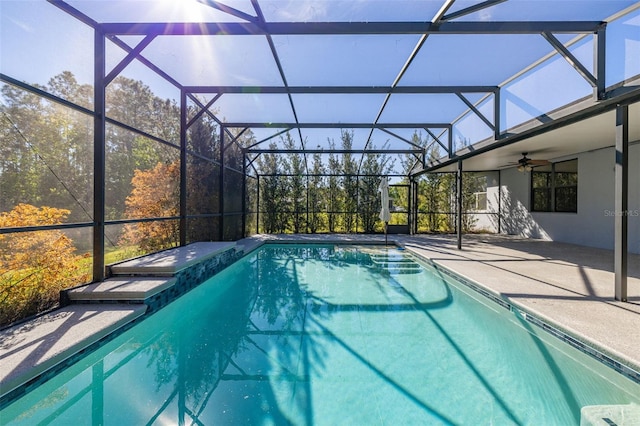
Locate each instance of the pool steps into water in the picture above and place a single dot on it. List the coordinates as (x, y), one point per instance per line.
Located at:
(121, 289)
(137, 280)
(395, 264)
(29, 351)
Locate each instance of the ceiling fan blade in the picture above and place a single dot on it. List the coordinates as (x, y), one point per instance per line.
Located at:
(538, 162)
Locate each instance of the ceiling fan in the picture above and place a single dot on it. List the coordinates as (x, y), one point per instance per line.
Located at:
(526, 164)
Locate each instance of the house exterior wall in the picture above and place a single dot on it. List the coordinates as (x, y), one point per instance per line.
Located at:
(593, 224)
(487, 220)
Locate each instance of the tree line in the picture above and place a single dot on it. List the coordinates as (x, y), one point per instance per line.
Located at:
(340, 194)
(46, 178)
(300, 195)
(46, 154)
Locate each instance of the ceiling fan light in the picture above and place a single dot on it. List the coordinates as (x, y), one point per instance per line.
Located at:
(528, 168)
(521, 168)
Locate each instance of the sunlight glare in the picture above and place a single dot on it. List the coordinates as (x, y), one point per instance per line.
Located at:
(180, 10)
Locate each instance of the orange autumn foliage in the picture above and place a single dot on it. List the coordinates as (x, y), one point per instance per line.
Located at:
(35, 266)
(155, 193)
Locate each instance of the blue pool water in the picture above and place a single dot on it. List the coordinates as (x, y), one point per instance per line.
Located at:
(326, 335)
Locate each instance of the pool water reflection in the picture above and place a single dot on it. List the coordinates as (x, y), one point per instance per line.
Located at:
(327, 335)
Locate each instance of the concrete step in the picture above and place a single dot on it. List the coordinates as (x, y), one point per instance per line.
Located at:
(399, 268)
(169, 262)
(401, 271)
(392, 259)
(121, 289)
(398, 265)
(30, 349)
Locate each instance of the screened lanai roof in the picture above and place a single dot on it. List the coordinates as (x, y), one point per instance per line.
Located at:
(457, 72)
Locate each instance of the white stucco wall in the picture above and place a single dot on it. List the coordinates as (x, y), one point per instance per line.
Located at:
(515, 200)
(593, 224)
(487, 220)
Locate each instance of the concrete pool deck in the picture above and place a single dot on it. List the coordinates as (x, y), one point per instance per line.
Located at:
(568, 286)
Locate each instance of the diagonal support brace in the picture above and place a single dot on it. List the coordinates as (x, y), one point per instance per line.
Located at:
(573, 61)
(129, 58)
(476, 111)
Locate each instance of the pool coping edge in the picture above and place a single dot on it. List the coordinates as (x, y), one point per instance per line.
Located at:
(595, 350)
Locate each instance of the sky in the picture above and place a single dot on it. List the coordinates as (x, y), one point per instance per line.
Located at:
(39, 41)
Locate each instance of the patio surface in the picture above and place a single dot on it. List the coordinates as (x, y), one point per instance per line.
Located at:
(569, 286)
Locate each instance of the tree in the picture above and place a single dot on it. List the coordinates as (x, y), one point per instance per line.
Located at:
(436, 191)
(273, 192)
(46, 148)
(66, 86)
(20, 172)
(374, 168)
(334, 197)
(408, 161)
(251, 195)
(155, 194)
(471, 183)
(46, 159)
(317, 193)
(46, 151)
(35, 266)
(233, 182)
(295, 167)
(133, 103)
(203, 179)
(349, 183)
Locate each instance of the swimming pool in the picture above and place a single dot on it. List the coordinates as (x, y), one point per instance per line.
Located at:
(325, 334)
